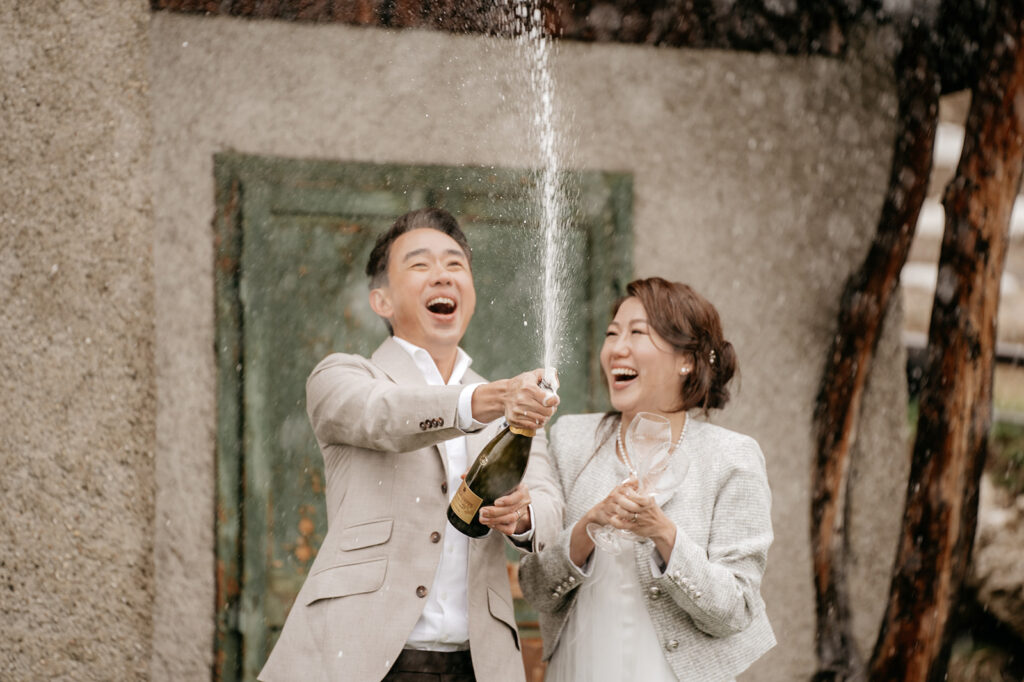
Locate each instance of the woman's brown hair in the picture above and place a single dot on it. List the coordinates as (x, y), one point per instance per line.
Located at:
(691, 325)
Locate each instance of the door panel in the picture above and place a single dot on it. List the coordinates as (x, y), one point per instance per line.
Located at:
(292, 242)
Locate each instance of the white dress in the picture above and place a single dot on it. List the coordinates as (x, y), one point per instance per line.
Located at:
(609, 636)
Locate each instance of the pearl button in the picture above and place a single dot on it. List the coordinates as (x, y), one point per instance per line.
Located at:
(672, 644)
(654, 592)
(421, 591)
(435, 537)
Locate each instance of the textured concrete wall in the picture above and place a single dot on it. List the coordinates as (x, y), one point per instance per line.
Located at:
(758, 179)
(78, 406)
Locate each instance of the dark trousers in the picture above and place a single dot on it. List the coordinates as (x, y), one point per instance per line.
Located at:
(431, 666)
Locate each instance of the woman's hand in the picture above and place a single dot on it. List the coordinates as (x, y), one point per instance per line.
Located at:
(629, 509)
(638, 512)
(611, 511)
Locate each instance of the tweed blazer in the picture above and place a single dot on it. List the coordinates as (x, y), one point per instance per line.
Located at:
(381, 430)
(706, 606)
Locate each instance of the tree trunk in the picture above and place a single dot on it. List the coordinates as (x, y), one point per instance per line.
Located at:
(862, 311)
(956, 400)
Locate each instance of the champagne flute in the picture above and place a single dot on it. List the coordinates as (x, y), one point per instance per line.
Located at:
(648, 445)
(647, 450)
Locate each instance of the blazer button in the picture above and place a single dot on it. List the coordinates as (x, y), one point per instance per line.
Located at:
(435, 537)
(423, 425)
(422, 592)
(672, 644)
(444, 488)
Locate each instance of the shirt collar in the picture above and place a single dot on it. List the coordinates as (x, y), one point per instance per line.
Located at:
(429, 369)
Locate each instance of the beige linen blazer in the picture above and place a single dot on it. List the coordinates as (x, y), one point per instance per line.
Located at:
(381, 428)
(706, 607)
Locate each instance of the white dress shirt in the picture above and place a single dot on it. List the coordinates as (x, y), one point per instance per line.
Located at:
(444, 624)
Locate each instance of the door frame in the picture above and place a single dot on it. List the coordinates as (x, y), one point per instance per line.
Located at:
(232, 173)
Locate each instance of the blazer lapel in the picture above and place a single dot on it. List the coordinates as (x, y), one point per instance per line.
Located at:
(397, 364)
(402, 369)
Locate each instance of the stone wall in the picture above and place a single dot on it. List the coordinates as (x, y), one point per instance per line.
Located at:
(78, 403)
(757, 178)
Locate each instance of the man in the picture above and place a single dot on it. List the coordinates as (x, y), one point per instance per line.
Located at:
(396, 592)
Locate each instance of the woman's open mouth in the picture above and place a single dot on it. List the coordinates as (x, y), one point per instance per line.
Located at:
(623, 375)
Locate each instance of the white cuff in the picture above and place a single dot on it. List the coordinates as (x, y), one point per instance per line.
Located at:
(527, 535)
(466, 421)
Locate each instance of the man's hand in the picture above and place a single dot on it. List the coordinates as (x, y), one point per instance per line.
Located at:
(520, 400)
(510, 514)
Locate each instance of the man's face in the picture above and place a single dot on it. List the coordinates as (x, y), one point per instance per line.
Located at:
(429, 298)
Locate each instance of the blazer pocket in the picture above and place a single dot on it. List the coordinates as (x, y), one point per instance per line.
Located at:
(342, 581)
(501, 610)
(365, 534)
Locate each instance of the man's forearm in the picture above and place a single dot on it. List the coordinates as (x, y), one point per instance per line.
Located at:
(489, 401)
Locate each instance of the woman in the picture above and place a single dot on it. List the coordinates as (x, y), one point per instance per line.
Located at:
(685, 602)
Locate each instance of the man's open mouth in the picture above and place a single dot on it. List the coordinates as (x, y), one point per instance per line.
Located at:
(441, 305)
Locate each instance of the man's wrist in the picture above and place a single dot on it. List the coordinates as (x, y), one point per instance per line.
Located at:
(466, 421)
(487, 401)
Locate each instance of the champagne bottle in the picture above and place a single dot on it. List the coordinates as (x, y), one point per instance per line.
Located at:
(497, 470)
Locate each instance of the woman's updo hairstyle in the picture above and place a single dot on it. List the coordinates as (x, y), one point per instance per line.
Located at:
(691, 325)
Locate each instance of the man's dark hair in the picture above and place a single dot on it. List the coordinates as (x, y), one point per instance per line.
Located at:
(432, 218)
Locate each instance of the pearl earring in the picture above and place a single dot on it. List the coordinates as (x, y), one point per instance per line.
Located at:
(684, 370)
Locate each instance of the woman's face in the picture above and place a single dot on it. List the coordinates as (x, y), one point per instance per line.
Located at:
(642, 369)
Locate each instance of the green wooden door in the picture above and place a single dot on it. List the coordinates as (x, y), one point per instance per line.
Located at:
(292, 241)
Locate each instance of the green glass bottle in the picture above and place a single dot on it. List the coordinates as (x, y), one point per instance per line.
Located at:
(496, 471)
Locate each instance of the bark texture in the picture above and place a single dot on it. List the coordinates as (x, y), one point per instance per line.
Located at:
(956, 399)
(862, 311)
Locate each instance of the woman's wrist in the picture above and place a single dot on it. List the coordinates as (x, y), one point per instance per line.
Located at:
(580, 544)
(665, 539)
